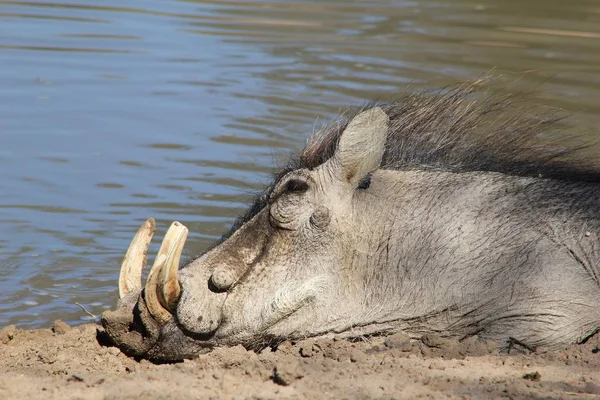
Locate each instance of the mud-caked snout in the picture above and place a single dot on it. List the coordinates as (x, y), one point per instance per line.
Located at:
(133, 330)
(145, 315)
(178, 312)
(137, 334)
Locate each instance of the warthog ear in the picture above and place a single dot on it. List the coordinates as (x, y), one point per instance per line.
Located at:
(361, 145)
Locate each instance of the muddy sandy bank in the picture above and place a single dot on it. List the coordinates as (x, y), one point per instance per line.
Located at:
(69, 363)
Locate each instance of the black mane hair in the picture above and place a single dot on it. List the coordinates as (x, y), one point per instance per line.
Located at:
(451, 129)
(460, 129)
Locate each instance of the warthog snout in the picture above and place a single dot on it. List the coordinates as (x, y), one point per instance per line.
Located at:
(188, 301)
(143, 311)
(205, 289)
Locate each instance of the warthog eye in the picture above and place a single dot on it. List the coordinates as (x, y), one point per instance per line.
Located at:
(296, 186)
(365, 182)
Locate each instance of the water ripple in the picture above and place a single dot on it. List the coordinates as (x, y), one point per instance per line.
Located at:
(113, 112)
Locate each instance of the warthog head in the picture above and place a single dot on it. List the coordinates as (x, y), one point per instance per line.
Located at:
(282, 273)
(383, 222)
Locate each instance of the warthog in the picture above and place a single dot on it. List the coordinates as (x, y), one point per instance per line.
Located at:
(436, 213)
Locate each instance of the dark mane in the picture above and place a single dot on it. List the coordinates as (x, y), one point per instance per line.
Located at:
(454, 130)
(460, 129)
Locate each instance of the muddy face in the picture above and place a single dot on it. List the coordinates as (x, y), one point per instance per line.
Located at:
(283, 274)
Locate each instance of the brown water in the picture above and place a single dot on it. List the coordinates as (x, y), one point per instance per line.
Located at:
(111, 112)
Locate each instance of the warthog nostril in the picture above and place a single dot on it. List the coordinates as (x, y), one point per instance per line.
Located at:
(201, 318)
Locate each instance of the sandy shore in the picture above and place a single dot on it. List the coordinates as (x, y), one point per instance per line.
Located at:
(69, 363)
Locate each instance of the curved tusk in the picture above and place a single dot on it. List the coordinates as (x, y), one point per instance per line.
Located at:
(174, 242)
(130, 278)
(162, 287)
(158, 312)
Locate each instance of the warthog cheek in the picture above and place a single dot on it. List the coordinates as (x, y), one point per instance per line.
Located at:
(292, 296)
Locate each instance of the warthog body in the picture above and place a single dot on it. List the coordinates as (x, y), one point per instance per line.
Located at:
(436, 213)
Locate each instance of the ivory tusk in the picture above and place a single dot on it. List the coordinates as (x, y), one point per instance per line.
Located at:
(177, 235)
(130, 277)
(158, 312)
(162, 287)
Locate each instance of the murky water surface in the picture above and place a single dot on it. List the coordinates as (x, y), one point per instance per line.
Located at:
(114, 111)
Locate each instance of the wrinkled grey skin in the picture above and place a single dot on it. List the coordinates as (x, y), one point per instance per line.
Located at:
(451, 244)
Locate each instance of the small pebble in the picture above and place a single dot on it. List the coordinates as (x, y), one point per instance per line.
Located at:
(432, 340)
(7, 334)
(396, 340)
(115, 351)
(533, 376)
(60, 328)
(357, 356)
(287, 370)
(592, 388)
